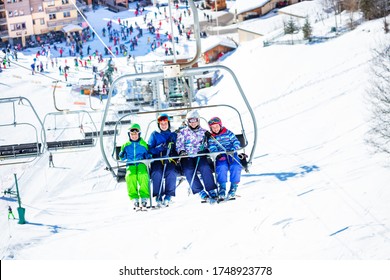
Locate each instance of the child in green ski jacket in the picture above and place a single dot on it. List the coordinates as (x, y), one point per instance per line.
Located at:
(136, 173)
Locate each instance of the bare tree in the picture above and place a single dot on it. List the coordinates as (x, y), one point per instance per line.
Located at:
(351, 6)
(332, 6)
(373, 9)
(379, 98)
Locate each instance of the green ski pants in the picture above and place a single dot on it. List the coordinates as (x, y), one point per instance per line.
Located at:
(137, 174)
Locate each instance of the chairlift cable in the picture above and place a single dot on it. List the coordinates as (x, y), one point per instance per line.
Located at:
(171, 26)
(94, 31)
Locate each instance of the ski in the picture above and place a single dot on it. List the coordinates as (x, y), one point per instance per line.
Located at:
(159, 207)
(210, 201)
(222, 200)
(227, 199)
(140, 209)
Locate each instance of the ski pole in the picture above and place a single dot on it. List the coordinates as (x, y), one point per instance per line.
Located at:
(193, 176)
(196, 166)
(165, 167)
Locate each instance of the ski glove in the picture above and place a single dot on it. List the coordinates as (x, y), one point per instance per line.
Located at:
(243, 159)
(207, 134)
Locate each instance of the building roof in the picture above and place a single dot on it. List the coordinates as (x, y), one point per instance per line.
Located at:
(263, 26)
(213, 41)
(242, 6)
(269, 24)
(71, 28)
(303, 9)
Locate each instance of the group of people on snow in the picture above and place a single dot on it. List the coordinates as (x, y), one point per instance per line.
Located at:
(186, 151)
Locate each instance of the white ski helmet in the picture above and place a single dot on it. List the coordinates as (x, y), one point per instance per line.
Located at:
(192, 115)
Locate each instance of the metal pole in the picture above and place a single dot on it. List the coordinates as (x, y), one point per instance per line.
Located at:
(21, 210)
(216, 9)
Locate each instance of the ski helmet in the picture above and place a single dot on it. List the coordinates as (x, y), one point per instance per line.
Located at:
(135, 128)
(215, 120)
(163, 117)
(192, 115)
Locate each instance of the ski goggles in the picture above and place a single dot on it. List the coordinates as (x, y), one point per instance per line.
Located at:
(214, 121)
(134, 131)
(162, 118)
(193, 120)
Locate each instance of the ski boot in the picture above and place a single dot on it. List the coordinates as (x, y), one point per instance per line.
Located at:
(213, 194)
(144, 202)
(232, 192)
(136, 205)
(204, 196)
(159, 202)
(222, 192)
(167, 200)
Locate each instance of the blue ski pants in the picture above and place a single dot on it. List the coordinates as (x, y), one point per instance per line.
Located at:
(227, 164)
(170, 175)
(189, 169)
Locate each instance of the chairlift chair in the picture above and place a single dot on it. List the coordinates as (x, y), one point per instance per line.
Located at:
(21, 147)
(183, 72)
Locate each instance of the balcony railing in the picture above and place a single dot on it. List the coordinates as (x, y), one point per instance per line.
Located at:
(55, 23)
(2, 7)
(63, 8)
(4, 33)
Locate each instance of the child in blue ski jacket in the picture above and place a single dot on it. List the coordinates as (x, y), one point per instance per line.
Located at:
(191, 141)
(223, 140)
(136, 173)
(162, 143)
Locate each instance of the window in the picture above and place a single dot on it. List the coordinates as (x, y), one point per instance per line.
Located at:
(66, 14)
(40, 9)
(65, 2)
(10, 14)
(17, 26)
(52, 16)
(16, 13)
(33, 21)
(42, 21)
(51, 3)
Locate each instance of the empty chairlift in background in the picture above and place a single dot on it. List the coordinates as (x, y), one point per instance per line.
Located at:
(19, 131)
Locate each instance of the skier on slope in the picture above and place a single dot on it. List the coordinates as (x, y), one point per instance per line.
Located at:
(162, 144)
(136, 173)
(223, 140)
(191, 141)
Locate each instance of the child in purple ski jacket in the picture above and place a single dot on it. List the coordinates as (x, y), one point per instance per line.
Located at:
(191, 141)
